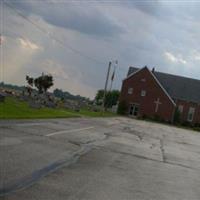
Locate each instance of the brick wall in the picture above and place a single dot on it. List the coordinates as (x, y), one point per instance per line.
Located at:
(143, 80)
(186, 106)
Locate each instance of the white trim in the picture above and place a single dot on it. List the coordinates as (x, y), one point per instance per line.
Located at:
(191, 111)
(162, 87)
(155, 80)
(143, 93)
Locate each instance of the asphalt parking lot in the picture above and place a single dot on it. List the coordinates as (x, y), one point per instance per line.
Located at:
(98, 159)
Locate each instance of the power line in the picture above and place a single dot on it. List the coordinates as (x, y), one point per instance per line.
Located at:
(52, 37)
(43, 30)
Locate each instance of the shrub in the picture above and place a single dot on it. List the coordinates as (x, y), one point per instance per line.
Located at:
(197, 125)
(187, 124)
(122, 108)
(177, 116)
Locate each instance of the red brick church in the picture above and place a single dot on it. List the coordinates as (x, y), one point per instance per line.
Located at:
(155, 94)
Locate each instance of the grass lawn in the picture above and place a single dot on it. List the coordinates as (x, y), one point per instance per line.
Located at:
(15, 109)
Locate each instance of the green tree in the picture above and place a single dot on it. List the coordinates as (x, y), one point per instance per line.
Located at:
(30, 81)
(43, 83)
(99, 97)
(110, 100)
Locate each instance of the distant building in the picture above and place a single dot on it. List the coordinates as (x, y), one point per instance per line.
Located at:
(155, 94)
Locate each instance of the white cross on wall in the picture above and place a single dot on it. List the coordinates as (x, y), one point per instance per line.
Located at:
(157, 102)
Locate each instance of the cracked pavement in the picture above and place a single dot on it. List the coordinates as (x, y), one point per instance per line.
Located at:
(98, 158)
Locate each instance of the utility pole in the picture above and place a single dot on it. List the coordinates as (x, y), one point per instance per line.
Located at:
(106, 84)
(113, 75)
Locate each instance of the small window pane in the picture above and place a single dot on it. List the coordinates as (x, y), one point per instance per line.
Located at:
(191, 114)
(143, 93)
(130, 90)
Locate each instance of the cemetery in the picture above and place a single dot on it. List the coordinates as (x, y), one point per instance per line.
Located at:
(35, 101)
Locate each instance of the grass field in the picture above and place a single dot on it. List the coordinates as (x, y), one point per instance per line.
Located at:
(15, 109)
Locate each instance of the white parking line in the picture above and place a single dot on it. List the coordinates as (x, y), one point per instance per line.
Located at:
(69, 131)
(32, 124)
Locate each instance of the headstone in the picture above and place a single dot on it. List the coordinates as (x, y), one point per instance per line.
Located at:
(96, 109)
(67, 106)
(2, 97)
(114, 108)
(50, 104)
(24, 98)
(34, 104)
(77, 109)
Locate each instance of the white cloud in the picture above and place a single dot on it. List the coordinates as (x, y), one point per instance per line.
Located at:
(27, 44)
(195, 55)
(170, 57)
(55, 69)
(174, 59)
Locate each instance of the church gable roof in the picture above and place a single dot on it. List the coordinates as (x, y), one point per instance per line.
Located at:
(177, 87)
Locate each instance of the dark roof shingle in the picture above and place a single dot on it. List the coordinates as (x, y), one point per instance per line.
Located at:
(178, 87)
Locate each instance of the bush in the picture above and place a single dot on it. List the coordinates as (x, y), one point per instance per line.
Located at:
(144, 116)
(156, 118)
(197, 125)
(159, 119)
(177, 116)
(187, 124)
(122, 108)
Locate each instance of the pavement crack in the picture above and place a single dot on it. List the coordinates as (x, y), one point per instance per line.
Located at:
(37, 175)
(149, 159)
(164, 158)
(139, 134)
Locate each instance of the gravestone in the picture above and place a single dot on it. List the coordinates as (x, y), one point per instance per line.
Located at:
(50, 104)
(76, 108)
(114, 108)
(2, 97)
(34, 104)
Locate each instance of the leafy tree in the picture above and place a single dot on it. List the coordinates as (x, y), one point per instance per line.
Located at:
(38, 84)
(30, 82)
(66, 95)
(110, 100)
(59, 93)
(43, 83)
(99, 97)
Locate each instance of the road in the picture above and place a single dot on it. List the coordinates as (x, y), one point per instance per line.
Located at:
(98, 159)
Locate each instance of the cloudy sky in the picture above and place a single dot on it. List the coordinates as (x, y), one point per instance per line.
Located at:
(75, 40)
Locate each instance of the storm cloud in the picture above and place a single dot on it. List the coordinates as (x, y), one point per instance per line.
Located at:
(82, 17)
(154, 33)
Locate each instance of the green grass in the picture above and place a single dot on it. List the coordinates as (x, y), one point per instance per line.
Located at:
(15, 109)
